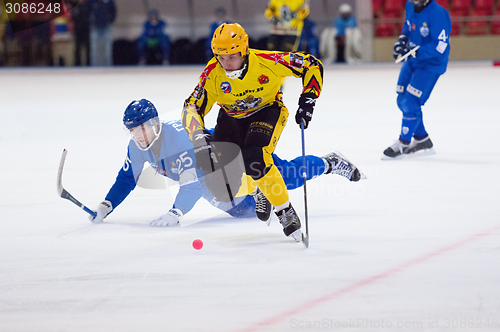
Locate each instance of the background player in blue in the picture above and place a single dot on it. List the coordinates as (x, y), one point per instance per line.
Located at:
(168, 149)
(428, 25)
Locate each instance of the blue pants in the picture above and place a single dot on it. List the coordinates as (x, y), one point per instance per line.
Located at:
(244, 207)
(415, 85)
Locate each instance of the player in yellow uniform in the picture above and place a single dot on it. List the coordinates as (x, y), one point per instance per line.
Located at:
(287, 20)
(246, 85)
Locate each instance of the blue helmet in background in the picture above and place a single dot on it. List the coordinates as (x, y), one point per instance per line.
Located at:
(142, 113)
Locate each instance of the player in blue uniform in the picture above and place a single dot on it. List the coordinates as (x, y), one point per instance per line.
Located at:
(427, 25)
(168, 149)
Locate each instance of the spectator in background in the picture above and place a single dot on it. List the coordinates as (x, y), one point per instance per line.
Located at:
(309, 41)
(62, 40)
(3, 23)
(81, 24)
(342, 43)
(220, 17)
(287, 20)
(102, 15)
(153, 46)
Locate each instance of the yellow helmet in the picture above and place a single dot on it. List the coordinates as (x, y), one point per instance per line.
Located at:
(229, 39)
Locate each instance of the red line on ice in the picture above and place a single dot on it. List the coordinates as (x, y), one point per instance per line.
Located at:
(365, 282)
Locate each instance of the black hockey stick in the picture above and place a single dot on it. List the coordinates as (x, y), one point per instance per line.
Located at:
(66, 195)
(305, 238)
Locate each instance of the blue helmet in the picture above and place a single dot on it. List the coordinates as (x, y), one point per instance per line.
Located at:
(138, 112)
(142, 113)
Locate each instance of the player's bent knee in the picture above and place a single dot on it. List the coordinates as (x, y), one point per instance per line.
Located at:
(408, 104)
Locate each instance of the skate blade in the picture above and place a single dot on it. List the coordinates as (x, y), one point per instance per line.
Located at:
(297, 235)
(384, 157)
(421, 153)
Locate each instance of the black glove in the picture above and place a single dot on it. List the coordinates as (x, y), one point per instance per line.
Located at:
(203, 151)
(401, 47)
(306, 108)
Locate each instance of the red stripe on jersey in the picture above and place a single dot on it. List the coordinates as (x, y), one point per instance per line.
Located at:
(276, 57)
(206, 72)
(313, 85)
(193, 126)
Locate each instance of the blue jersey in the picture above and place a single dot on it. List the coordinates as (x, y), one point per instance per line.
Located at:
(431, 30)
(175, 160)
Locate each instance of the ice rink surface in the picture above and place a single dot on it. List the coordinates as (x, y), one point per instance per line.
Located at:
(416, 246)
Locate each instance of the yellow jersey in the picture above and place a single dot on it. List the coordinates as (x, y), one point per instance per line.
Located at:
(258, 88)
(289, 16)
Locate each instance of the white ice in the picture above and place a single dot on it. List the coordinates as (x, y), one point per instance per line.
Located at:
(415, 246)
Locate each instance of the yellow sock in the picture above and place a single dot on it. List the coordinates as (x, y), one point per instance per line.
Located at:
(273, 187)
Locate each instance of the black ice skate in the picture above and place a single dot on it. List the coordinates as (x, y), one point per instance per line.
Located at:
(338, 164)
(291, 223)
(262, 206)
(424, 145)
(396, 150)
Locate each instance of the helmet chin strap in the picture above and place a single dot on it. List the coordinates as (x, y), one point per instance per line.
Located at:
(236, 73)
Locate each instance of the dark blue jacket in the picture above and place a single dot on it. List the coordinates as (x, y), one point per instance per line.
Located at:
(102, 13)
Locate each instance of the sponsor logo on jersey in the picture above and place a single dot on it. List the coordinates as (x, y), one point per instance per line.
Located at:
(173, 168)
(226, 87)
(248, 103)
(244, 93)
(424, 30)
(413, 27)
(198, 92)
(243, 107)
(296, 60)
(263, 79)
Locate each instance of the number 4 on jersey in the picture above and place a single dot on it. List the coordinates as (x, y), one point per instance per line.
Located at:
(442, 45)
(443, 36)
